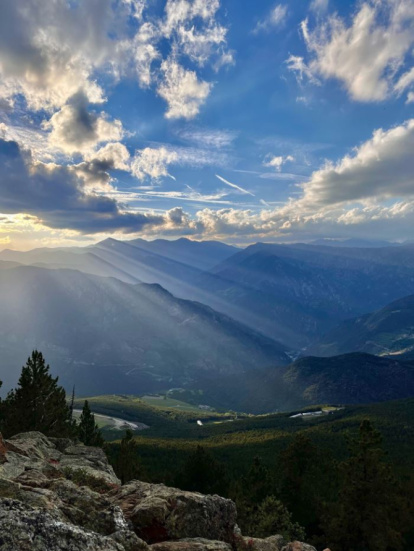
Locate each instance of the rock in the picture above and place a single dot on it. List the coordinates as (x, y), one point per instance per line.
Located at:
(129, 540)
(273, 543)
(26, 529)
(33, 450)
(298, 546)
(91, 460)
(195, 544)
(159, 513)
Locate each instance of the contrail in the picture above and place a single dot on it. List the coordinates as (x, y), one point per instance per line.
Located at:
(235, 186)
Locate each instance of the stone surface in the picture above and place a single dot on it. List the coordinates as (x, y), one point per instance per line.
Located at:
(32, 450)
(159, 513)
(57, 495)
(26, 529)
(298, 546)
(273, 543)
(194, 544)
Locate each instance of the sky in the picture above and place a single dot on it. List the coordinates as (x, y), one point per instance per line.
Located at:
(209, 119)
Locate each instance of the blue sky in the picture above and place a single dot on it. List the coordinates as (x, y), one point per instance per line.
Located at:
(211, 119)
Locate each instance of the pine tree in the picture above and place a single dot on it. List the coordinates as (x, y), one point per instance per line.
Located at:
(127, 465)
(38, 403)
(88, 431)
(203, 473)
(371, 512)
(272, 517)
(72, 402)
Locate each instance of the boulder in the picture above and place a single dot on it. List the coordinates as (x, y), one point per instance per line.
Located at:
(194, 544)
(298, 546)
(272, 543)
(92, 461)
(33, 450)
(159, 513)
(129, 540)
(26, 529)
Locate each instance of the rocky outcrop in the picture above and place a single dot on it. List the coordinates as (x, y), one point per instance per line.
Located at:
(159, 513)
(59, 495)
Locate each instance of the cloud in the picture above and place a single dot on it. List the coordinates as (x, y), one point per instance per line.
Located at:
(152, 163)
(51, 50)
(278, 161)
(319, 6)
(368, 56)
(206, 137)
(276, 18)
(234, 186)
(380, 169)
(182, 90)
(297, 65)
(57, 197)
(74, 128)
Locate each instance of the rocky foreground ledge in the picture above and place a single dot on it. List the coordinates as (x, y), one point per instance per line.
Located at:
(58, 495)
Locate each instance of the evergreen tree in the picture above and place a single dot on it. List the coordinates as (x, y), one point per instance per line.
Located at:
(72, 402)
(38, 403)
(308, 480)
(127, 465)
(252, 490)
(371, 512)
(272, 517)
(203, 473)
(88, 431)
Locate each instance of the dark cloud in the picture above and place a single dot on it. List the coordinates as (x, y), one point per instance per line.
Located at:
(56, 195)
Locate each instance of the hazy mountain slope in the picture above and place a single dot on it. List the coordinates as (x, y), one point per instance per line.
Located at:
(350, 379)
(346, 379)
(105, 335)
(388, 331)
(172, 264)
(296, 293)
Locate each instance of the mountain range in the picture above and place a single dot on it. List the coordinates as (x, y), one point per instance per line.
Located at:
(387, 332)
(291, 293)
(139, 316)
(101, 333)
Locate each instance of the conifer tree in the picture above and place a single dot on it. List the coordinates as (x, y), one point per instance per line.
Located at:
(88, 431)
(127, 465)
(38, 403)
(203, 473)
(371, 512)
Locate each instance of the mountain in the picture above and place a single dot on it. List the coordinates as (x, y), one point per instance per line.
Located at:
(347, 379)
(360, 243)
(108, 336)
(295, 293)
(172, 264)
(386, 332)
(291, 293)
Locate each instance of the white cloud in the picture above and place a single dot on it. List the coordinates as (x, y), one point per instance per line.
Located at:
(368, 55)
(234, 186)
(74, 128)
(319, 6)
(182, 90)
(297, 65)
(152, 163)
(278, 161)
(51, 50)
(382, 168)
(48, 50)
(275, 19)
(206, 137)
